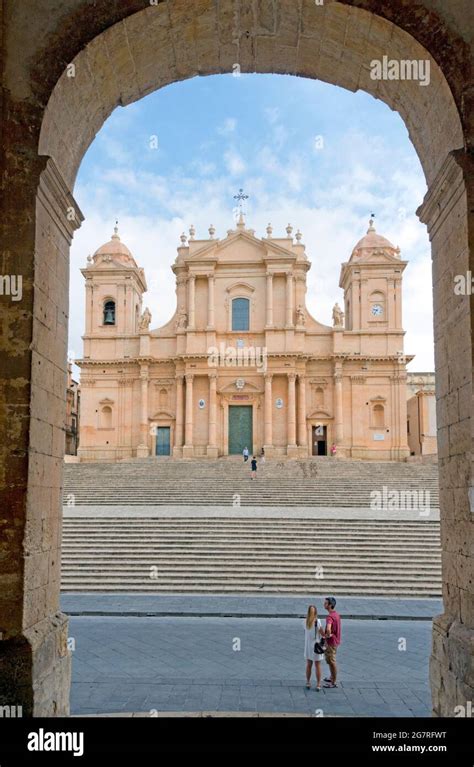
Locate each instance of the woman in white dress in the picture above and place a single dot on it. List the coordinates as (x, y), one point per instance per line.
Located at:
(313, 631)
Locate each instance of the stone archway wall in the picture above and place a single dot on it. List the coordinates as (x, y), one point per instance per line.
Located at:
(121, 52)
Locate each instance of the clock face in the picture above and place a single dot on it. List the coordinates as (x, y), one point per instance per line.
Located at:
(377, 310)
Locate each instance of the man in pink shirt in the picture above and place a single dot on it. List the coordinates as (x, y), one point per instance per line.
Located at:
(333, 639)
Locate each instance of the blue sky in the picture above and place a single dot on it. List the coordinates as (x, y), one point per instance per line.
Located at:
(307, 153)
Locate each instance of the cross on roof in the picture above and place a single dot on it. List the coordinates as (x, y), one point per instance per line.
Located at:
(240, 197)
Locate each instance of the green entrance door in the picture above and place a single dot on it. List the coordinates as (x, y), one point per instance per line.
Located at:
(163, 440)
(240, 429)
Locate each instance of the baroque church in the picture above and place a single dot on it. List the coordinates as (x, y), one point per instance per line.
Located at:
(243, 363)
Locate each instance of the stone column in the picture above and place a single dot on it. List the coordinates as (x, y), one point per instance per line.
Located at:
(289, 300)
(269, 300)
(212, 450)
(192, 302)
(178, 433)
(338, 408)
(188, 449)
(302, 431)
(210, 302)
(225, 425)
(142, 449)
(446, 212)
(291, 422)
(35, 662)
(268, 412)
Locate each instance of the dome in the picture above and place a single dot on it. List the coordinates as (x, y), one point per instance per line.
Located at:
(373, 241)
(116, 249)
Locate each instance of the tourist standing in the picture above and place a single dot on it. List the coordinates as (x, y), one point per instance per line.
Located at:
(245, 453)
(254, 468)
(332, 634)
(262, 456)
(313, 632)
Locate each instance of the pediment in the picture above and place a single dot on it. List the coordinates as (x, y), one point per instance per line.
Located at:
(162, 415)
(320, 414)
(241, 246)
(232, 388)
(236, 286)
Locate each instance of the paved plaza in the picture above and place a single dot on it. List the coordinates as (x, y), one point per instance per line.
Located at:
(180, 653)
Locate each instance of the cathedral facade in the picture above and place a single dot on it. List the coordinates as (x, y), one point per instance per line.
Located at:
(243, 363)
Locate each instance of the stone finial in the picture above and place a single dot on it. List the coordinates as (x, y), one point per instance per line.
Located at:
(89, 259)
(269, 230)
(298, 236)
(192, 232)
(289, 230)
(371, 224)
(397, 250)
(183, 239)
(212, 231)
(115, 235)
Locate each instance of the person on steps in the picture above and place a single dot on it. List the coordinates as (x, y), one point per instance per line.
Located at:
(245, 453)
(254, 468)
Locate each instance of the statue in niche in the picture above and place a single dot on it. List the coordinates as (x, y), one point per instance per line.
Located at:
(337, 316)
(145, 319)
(182, 320)
(300, 316)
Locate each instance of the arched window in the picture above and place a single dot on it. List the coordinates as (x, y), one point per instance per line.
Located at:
(378, 416)
(106, 417)
(240, 314)
(109, 313)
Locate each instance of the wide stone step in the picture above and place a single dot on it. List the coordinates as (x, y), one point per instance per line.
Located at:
(304, 483)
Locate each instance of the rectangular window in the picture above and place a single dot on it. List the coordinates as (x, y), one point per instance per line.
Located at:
(240, 314)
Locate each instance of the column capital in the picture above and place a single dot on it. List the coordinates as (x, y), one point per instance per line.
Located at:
(212, 375)
(189, 377)
(179, 377)
(268, 377)
(291, 376)
(442, 194)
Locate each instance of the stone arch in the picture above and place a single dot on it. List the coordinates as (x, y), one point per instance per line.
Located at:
(334, 42)
(120, 55)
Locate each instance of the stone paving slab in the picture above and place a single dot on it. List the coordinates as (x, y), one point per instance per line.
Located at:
(246, 512)
(192, 664)
(142, 605)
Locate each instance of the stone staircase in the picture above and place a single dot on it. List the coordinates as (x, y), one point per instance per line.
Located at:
(322, 482)
(242, 555)
(239, 550)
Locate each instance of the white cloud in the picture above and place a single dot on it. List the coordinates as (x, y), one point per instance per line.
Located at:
(227, 127)
(234, 162)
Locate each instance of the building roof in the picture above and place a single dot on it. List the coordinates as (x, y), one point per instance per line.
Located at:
(373, 241)
(116, 249)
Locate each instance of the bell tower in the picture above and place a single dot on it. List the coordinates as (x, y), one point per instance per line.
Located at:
(372, 284)
(114, 290)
